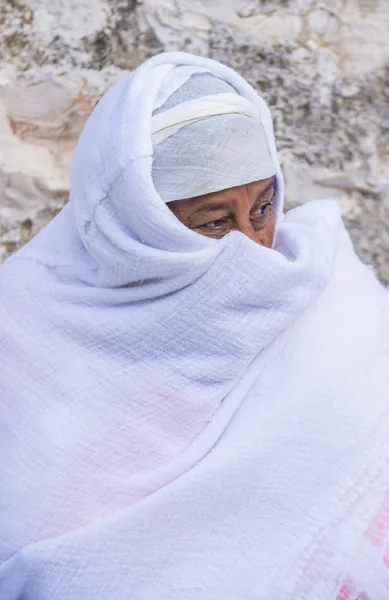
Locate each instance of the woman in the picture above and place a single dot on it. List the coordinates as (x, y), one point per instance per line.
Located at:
(194, 389)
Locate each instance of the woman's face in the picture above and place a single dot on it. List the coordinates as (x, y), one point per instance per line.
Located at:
(245, 208)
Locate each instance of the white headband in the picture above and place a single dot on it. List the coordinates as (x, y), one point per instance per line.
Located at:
(168, 122)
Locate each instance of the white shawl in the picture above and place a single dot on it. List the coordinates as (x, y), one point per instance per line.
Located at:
(184, 418)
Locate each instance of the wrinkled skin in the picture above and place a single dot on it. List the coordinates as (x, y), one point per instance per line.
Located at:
(245, 208)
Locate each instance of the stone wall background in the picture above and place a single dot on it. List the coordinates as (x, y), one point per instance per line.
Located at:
(322, 66)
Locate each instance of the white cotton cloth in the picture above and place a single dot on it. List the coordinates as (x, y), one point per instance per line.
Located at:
(170, 121)
(207, 138)
(187, 418)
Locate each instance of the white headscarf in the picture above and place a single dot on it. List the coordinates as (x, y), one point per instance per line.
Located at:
(226, 147)
(184, 418)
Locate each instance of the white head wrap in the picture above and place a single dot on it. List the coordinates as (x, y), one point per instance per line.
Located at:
(206, 138)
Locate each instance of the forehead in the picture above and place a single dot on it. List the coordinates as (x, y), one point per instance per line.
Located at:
(250, 191)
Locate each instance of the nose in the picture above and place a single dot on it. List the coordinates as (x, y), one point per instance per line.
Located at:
(247, 229)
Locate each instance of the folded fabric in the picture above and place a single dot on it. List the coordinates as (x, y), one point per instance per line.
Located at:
(168, 122)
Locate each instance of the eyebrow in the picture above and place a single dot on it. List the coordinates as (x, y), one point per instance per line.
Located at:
(273, 183)
(223, 205)
(210, 207)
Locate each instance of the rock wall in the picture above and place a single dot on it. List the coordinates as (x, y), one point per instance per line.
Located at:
(322, 66)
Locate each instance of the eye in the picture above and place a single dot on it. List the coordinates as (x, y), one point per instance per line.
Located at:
(261, 209)
(265, 207)
(218, 226)
(260, 215)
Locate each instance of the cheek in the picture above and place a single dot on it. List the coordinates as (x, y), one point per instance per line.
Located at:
(182, 216)
(265, 236)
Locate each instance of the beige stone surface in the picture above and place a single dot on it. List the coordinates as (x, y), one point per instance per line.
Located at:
(322, 66)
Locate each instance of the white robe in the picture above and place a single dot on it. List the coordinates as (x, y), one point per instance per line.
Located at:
(186, 418)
